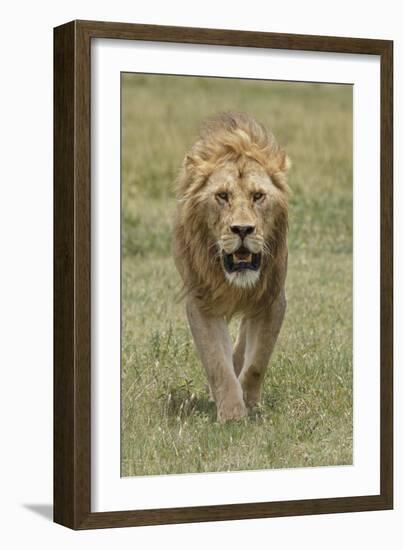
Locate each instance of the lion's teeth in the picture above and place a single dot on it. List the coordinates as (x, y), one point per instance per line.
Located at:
(242, 258)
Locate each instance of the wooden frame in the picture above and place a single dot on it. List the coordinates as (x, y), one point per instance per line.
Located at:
(72, 320)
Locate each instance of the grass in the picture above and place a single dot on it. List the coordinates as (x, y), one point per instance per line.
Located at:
(168, 424)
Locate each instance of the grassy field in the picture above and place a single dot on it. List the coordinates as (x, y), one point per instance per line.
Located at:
(168, 424)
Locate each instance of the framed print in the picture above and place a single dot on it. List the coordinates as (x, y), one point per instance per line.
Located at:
(223, 305)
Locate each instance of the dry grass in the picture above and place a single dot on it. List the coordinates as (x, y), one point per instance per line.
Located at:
(168, 424)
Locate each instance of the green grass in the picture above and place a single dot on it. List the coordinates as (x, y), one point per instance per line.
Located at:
(305, 419)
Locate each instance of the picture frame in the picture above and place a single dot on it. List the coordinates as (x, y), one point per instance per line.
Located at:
(72, 274)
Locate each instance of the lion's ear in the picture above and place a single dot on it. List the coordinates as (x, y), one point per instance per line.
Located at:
(285, 162)
(192, 159)
(282, 164)
(188, 160)
(194, 163)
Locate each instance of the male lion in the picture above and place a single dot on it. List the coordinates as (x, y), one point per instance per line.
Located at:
(230, 248)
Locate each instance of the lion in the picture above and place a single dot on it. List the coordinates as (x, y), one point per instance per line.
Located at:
(230, 248)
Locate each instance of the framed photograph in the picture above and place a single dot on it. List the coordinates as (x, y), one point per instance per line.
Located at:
(223, 306)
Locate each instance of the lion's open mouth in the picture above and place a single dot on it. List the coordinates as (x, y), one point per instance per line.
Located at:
(241, 259)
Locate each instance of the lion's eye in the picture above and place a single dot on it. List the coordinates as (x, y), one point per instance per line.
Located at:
(257, 196)
(223, 196)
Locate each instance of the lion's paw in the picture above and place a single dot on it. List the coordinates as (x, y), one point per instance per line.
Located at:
(251, 398)
(231, 410)
(251, 391)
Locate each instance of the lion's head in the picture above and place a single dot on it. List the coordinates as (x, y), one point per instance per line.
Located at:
(232, 214)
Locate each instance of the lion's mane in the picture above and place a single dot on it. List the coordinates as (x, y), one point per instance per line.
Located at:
(228, 137)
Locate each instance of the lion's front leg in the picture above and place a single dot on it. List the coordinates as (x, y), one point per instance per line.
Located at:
(261, 335)
(215, 350)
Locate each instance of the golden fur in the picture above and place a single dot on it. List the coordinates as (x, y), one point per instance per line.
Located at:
(232, 211)
(229, 138)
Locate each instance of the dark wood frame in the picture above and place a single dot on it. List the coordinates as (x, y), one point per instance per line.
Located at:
(72, 292)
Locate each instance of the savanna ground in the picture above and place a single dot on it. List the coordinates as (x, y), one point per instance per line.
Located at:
(305, 419)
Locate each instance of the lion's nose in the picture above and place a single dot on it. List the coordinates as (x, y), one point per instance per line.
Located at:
(242, 230)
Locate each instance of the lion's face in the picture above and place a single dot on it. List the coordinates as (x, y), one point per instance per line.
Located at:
(230, 237)
(242, 203)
